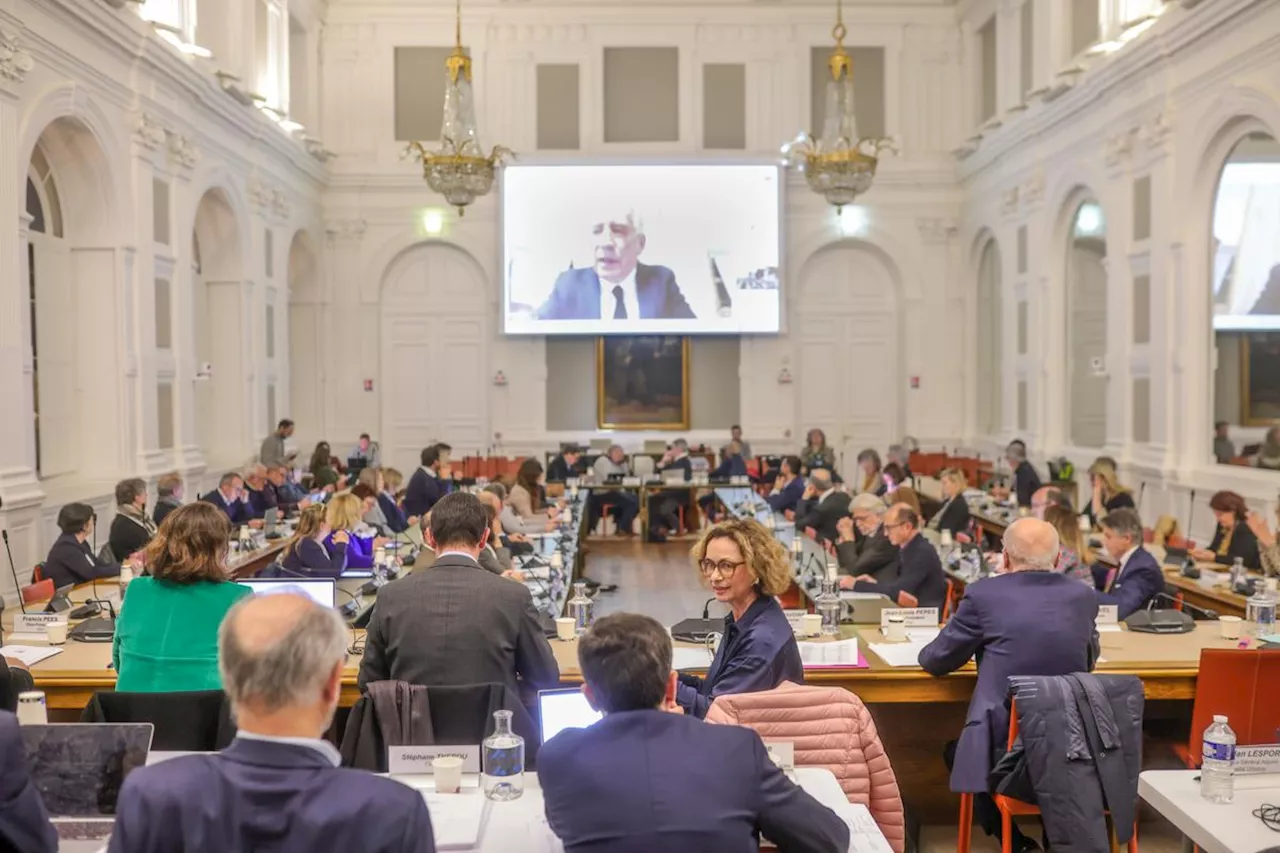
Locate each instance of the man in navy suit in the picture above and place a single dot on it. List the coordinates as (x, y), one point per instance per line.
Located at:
(618, 286)
(278, 785)
(647, 777)
(24, 823)
(788, 488)
(1032, 620)
(919, 567)
(229, 497)
(1139, 578)
(425, 486)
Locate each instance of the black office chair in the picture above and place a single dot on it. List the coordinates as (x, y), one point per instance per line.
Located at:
(194, 721)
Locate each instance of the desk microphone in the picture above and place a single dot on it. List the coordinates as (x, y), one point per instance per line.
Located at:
(706, 607)
(1186, 605)
(17, 586)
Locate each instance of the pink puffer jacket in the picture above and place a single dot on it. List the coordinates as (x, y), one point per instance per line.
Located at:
(830, 728)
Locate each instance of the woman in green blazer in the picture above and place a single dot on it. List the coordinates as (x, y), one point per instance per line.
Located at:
(167, 634)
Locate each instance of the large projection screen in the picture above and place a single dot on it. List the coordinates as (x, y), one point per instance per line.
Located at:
(650, 249)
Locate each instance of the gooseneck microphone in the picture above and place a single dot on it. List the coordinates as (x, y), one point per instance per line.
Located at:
(17, 585)
(706, 607)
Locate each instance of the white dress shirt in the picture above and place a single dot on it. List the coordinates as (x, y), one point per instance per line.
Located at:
(1124, 561)
(328, 750)
(608, 303)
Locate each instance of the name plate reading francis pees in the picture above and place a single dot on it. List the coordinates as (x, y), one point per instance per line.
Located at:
(1108, 614)
(913, 617)
(1263, 758)
(417, 759)
(782, 753)
(36, 623)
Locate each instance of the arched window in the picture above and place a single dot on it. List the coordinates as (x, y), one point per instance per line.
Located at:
(44, 206)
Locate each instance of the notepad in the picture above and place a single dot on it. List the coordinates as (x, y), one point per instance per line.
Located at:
(457, 820)
(899, 654)
(843, 654)
(30, 655)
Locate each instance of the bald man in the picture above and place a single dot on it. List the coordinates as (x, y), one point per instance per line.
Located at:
(1047, 496)
(1031, 620)
(278, 785)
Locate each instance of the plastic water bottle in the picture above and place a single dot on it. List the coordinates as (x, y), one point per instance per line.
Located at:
(1260, 613)
(1217, 773)
(1237, 572)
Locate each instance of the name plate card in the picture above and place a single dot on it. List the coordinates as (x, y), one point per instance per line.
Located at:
(914, 617)
(36, 623)
(417, 759)
(795, 618)
(1253, 760)
(1108, 614)
(630, 481)
(782, 753)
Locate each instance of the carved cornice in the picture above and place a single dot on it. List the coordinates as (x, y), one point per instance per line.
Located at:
(936, 230)
(184, 151)
(1033, 190)
(149, 134)
(346, 229)
(1009, 201)
(14, 61)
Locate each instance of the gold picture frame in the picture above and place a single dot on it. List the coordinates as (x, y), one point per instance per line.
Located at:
(1260, 379)
(634, 395)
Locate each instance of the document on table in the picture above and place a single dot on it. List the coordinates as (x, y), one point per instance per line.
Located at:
(899, 654)
(864, 833)
(457, 820)
(686, 657)
(843, 653)
(30, 655)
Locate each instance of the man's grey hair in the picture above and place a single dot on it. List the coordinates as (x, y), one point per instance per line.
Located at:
(630, 216)
(867, 502)
(820, 479)
(680, 444)
(612, 448)
(898, 453)
(1031, 545)
(288, 672)
(258, 469)
(229, 478)
(1124, 522)
(497, 489)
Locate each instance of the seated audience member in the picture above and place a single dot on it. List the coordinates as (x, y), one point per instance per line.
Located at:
(168, 496)
(664, 506)
(229, 497)
(526, 497)
(369, 485)
(869, 551)
(24, 823)
(1025, 479)
(816, 453)
(308, 554)
(344, 514)
(1108, 494)
(278, 785)
(746, 568)
(822, 506)
(1139, 579)
(1268, 548)
(733, 465)
(564, 465)
(1075, 557)
(166, 636)
(919, 568)
(1232, 539)
(897, 489)
(15, 678)
(625, 505)
(718, 788)
(953, 516)
(273, 452)
(494, 556)
(132, 528)
(1269, 453)
(366, 451)
(899, 454)
(870, 473)
(735, 434)
(259, 494)
(1047, 496)
(396, 517)
(455, 623)
(288, 495)
(425, 486)
(71, 559)
(1031, 620)
(324, 474)
(1223, 448)
(788, 488)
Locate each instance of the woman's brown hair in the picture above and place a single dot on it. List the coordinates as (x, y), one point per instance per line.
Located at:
(191, 545)
(320, 458)
(765, 558)
(527, 476)
(310, 520)
(1230, 502)
(1067, 523)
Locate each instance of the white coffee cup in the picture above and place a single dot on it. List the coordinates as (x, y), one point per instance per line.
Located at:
(566, 628)
(896, 629)
(448, 772)
(56, 633)
(811, 624)
(1231, 626)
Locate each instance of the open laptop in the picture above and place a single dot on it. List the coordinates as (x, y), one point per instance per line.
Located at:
(565, 708)
(78, 768)
(320, 590)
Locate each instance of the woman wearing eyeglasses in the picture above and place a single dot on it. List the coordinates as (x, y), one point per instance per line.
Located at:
(746, 568)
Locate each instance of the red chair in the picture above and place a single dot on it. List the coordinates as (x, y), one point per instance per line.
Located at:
(952, 601)
(1241, 684)
(38, 591)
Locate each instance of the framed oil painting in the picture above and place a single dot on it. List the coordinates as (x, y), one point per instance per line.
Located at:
(642, 382)
(1260, 378)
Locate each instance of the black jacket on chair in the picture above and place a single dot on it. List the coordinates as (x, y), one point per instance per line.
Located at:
(192, 721)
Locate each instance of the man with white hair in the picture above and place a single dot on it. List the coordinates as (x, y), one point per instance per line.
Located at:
(869, 552)
(278, 785)
(617, 286)
(1031, 620)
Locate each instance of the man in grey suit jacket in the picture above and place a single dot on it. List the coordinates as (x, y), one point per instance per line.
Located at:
(455, 623)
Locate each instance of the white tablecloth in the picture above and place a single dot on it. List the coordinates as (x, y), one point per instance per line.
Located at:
(1229, 828)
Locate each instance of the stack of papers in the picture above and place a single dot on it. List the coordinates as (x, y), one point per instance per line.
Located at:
(843, 654)
(864, 834)
(30, 655)
(457, 820)
(899, 654)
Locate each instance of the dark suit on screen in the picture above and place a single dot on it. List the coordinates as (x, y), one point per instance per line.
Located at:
(576, 296)
(24, 823)
(639, 781)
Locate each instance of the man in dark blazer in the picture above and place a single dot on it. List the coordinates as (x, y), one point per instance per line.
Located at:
(1139, 578)
(1029, 621)
(919, 568)
(647, 777)
(425, 486)
(456, 623)
(24, 823)
(618, 286)
(788, 488)
(278, 785)
(869, 552)
(1026, 482)
(822, 506)
(565, 464)
(229, 497)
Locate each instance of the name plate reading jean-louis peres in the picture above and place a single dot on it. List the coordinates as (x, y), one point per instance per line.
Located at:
(417, 759)
(913, 617)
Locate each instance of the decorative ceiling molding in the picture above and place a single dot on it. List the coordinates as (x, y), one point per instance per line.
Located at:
(184, 152)
(15, 62)
(149, 133)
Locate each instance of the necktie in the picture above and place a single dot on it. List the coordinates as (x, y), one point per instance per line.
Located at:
(619, 307)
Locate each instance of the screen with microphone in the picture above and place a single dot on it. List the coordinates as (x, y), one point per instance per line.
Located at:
(564, 709)
(320, 590)
(641, 249)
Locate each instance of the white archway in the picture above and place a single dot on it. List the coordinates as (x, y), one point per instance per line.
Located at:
(1086, 322)
(434, 331)
(847, 326)
(990, 337)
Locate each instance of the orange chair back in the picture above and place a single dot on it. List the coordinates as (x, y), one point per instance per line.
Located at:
(952, 601)
(39, 591)
(1241, 684)
(37, 574)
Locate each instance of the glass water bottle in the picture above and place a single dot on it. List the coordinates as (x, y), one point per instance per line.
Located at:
(580, 608)
(828, 607)
(502, 754)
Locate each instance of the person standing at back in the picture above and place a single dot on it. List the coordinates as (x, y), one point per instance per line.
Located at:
(273, 452)
(278, 786)
(647, 777)
(455, 623)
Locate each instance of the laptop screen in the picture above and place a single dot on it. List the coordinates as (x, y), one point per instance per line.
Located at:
(78, 768)
(320, 590)
(564, 709)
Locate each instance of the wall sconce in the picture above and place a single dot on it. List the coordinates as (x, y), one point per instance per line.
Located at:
(500, 379)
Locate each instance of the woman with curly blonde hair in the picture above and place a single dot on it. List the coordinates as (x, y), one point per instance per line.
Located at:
(746, 569)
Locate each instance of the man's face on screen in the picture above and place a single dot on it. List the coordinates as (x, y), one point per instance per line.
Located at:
(618, 248)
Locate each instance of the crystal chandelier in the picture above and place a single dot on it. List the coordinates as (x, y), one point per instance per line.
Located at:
(838, 165)
(458, 170)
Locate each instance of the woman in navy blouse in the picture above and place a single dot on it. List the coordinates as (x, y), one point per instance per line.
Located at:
(306, 553)
(746, 567)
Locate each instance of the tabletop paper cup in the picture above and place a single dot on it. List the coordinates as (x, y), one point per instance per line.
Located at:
(896, 629)
(811, 624)
(448, 772)
(566, 628)
(1231, 627)
(56, 633)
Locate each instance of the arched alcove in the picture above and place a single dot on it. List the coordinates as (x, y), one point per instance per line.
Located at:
(1086, 322)
(990, 336)
(304, 401)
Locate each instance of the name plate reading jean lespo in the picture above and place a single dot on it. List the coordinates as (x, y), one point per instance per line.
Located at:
(36, 623)
(417, 759)
(1108, 614)
(914, 617)
(782, 753)
(1252, 760)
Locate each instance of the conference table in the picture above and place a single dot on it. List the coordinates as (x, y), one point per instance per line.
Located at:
(1214, 827)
